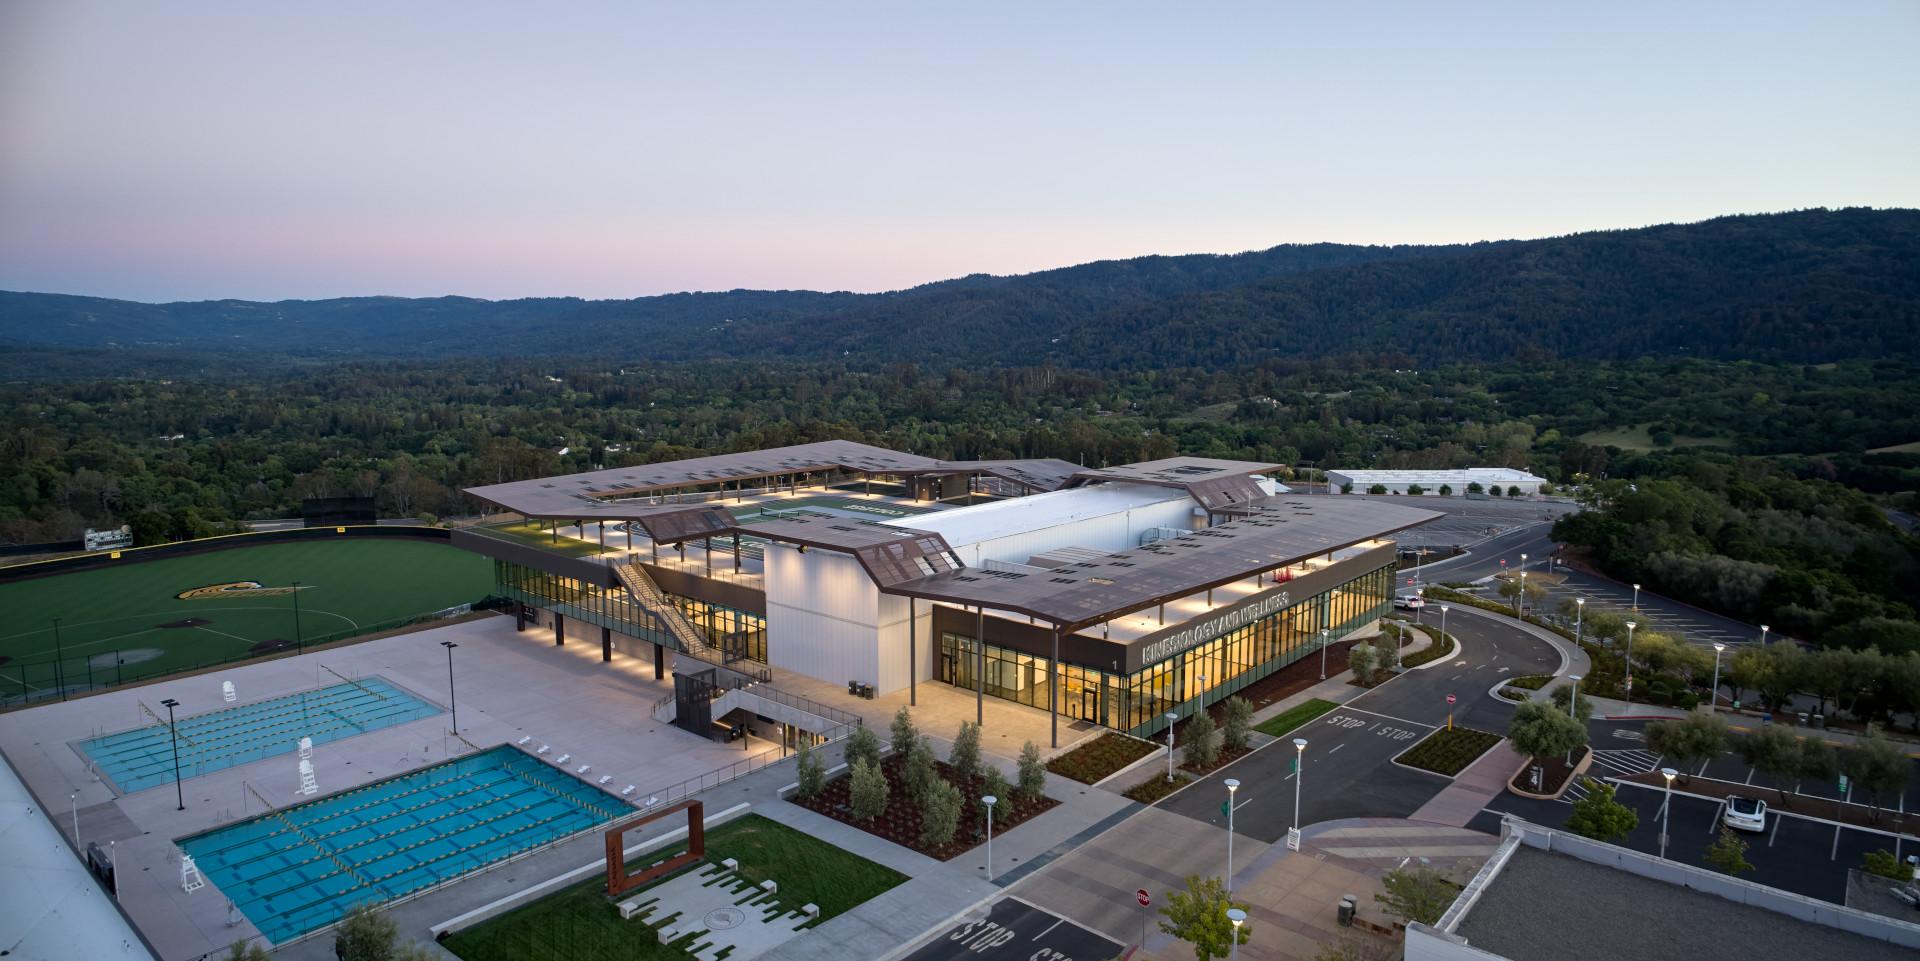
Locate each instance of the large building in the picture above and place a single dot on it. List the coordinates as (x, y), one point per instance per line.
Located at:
(1107, 595)
(1459, 482)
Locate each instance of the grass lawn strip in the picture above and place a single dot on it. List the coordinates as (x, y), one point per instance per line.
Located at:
(582, 919)
(1448, 751)
(1293, 717)
(1092, 762)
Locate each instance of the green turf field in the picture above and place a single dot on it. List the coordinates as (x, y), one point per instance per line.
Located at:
(127, 622)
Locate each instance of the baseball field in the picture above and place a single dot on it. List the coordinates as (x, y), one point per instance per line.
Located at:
(147, 618)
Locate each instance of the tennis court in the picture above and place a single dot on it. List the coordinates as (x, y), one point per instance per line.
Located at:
(302, 867)
(144, 757)
(148, 618)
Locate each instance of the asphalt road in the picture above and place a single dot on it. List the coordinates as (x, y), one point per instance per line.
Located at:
(1017, 931)
(1348, 770)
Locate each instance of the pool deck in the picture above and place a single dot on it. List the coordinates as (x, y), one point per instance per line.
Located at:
(509, 686)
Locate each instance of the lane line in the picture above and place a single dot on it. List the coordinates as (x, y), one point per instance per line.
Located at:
(1362, 710)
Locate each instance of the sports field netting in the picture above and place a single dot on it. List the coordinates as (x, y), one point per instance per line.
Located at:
(149, 618)
(142, 758)
(302, 867)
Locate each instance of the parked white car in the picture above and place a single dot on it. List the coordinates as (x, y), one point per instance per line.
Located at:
(1745, 814)
(1409, 602)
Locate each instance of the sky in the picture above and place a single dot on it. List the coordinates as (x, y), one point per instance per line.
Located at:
(192, 150)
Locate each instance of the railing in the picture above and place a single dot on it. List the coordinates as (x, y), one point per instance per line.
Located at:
(691, 639)
(682, 790)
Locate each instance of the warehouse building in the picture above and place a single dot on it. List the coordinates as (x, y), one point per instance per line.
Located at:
(1109, 595)
(1458, 483)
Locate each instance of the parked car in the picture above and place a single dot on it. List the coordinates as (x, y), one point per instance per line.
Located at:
(1409, 602)
(1745, 814)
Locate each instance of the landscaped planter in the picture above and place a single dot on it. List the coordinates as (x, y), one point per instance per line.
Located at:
(1096, 760)
(1555, 777)
(901, 821)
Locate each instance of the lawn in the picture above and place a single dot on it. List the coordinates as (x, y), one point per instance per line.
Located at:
(534, 534)
(1448, 750)
(579, 922)
(1638, 438)
(129, 621)
(1279, 724)
(1092, 762)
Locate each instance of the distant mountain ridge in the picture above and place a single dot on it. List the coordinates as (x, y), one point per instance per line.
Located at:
(1808, 286)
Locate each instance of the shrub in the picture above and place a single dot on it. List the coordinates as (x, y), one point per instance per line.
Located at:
(1363, 660)
(812, 777)
(965, 756)
(939, 815)
(1377, 489)
(1238, 729)
(904, 735)
(994, 783)
(863, 745)
(1202, 749)
(1446, 490)
(1033, 772)
(868, 792)
(1883, 863)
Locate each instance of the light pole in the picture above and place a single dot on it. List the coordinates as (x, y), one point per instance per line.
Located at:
(1666, 810)
(1419, 595)
(988, 800)
(76, 820)
(1299, 774)
(173, 734)
(1238, 917)
(1443, 626)
(1323, 653)
(1713, 693)
(298, 642)
(1636, 598)
(59, 654)
(1630, 626)
(1171, 717)
(1574, 701)
(1521, 601)
(1233, 787)
(1763, 635)
(1523, 565)
(1579, 618)
(451, 703)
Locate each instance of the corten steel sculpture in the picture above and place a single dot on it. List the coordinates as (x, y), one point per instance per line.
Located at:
(619, 882)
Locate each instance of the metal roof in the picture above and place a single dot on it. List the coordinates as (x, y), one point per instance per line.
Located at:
(1182, 472)
(1275, 533)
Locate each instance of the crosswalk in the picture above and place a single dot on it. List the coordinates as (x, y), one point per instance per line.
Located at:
(1613, 763)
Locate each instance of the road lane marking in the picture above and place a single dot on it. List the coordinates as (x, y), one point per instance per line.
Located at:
(1362, 710)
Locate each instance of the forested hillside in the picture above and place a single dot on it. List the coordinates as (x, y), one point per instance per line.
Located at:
(1805, 287)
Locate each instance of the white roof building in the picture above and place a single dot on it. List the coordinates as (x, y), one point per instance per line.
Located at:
(1430, 481)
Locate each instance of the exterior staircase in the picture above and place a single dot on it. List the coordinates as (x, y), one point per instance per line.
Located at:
(648, 595)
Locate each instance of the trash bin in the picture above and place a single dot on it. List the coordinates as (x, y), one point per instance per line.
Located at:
(1766, 717)
(1349, 905)
(1820, 720)
(1803, 719)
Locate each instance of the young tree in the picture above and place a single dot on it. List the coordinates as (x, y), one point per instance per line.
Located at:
(992, 782)
(1363, 660)
(863, 745)
(1728, 854)
(1033, 772)
(1198, 916)
(868, 792)
(1513, 490)
(965, 756)
(1494, 490)
(939, 814)
(1377, 489)
(1446, 490)
(1346, 488)
(811, 774)
(1203, 743)
(1599, 816)
(365, 934)
(1415, 490)
(1418, 894)
(1699, 737)
(1475, 487)
(921, 771)
(1237, 732)
(1540, 730)
(904, 737)
(1564, 693)
(1877, 765)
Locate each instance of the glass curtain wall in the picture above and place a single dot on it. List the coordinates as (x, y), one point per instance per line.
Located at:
(611, 607)
(1184, 682)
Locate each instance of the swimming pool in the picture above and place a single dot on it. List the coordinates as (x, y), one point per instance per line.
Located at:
(142, 758)
(302, 867)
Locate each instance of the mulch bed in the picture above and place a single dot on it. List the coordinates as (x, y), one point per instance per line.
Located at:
(1856, 814)
(1225, 758)
(901, 821)
(1555, 772)
(1094, 761)
(1448, 751)
(1157, 787)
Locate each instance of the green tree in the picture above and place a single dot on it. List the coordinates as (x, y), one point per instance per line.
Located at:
(921, 772)
(863, 745)
(811, 775)
(1599, 816)
(1513, 490)
(1775, 752)
(1878, 765)
(1377, 489)
(1198, 916)
(993, 783)
(1728, 854)
(965, 756)
(1237, 732)
(1363, 660)
(1033, 772)
(939, 814)
(1564, 693)
(1202, 747)
(1346, 488)
(1446, 490)
(1541, 730)
(868, 792)
(1700, 736)
(1417, 894)
(365, 934)
(1415, 490)
(1475, 487)
(904, 736)
(1494, 490)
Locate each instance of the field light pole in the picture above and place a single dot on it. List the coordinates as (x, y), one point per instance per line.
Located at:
(1630, 626)
(1713, 693)
(1323, 653)
(1666, 810)
(173, 734)
(989, 800)
(1171, 717)
(451, 702)
(59, 654)
(1299, 774)
(1233, 787)
(298, 642)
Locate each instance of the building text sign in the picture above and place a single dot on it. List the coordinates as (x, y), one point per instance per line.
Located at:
(1204, 631)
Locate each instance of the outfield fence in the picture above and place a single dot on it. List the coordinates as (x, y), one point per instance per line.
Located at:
(37, 680)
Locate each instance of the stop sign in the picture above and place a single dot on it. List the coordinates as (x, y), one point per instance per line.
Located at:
(1142, 897)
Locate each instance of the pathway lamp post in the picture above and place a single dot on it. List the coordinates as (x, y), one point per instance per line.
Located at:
(1323, 653)
(1521, 601)
(1238, 917)
(1630, 626)
(1666, 809)
(173, 734)
(1636, 598)
(1233, 788)
(1171, 717)
(1713, 693)
(989, 800)
(1299, 774)
(1763, 635)
(1579, 618)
